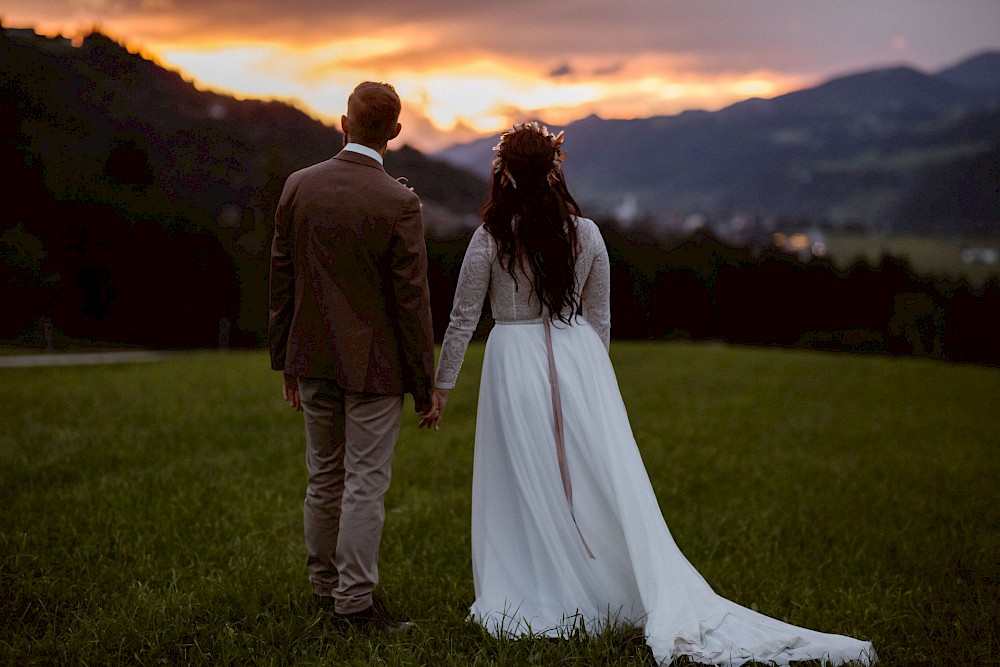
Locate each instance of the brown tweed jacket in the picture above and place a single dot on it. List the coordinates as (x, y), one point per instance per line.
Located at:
(349, 299)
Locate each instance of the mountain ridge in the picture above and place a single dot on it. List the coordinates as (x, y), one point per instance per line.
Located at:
(851, 149)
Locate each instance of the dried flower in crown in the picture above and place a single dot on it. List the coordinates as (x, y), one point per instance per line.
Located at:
(556, 140)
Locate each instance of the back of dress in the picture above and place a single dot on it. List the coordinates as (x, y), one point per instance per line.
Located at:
(513, 299)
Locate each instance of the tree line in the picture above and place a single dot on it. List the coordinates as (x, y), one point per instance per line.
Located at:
(697, 287)
(93, 272)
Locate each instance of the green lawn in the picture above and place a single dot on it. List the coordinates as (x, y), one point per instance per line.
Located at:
(152, 512)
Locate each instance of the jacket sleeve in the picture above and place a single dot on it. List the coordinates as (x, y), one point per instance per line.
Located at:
(281, 284)
(411, 295)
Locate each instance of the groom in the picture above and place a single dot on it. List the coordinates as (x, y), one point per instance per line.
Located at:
(350, 328)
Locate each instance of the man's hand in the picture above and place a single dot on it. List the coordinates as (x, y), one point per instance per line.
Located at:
(431, 417)
(290, 391)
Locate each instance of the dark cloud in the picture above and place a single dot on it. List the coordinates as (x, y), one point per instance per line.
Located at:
(562, 70)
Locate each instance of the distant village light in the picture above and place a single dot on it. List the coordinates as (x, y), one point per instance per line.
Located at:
(798, 242)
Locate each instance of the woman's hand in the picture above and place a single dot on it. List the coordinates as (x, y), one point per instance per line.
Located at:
(432, 418)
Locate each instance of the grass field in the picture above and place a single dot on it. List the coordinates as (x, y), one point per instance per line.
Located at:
(152, 512)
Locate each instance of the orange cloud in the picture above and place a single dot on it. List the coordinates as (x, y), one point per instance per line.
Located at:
(466, 67)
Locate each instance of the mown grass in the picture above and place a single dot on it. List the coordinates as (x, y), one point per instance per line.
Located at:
(152, 512)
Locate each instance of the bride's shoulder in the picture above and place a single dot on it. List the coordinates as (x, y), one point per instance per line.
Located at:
(481, 236)
(482, 240)
(587, 228)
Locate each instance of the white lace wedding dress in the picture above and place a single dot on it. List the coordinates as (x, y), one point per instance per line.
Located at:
(532, 564)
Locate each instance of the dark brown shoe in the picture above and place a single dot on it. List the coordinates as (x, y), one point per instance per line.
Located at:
(375, 621)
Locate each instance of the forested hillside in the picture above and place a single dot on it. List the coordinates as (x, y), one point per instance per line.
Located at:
(140, 208)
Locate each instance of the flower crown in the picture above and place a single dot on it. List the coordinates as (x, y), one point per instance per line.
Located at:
(555, 171)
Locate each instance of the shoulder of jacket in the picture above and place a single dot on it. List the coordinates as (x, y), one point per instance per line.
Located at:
(401, 193)
(307, 172)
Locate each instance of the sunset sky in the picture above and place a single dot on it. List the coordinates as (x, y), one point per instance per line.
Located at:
(468, 67)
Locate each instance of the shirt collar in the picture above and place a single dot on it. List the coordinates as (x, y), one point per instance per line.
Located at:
(364, 150)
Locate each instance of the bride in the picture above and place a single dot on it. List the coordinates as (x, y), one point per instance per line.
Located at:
(567, 534)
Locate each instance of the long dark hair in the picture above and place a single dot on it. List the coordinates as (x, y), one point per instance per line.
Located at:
(530, 213)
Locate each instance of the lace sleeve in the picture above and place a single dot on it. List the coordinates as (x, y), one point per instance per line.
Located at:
(596, 295)
(473, 284)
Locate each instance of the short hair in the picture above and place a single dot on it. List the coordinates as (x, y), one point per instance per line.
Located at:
(373, 111)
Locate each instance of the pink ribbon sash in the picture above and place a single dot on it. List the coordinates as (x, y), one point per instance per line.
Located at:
(560, 442)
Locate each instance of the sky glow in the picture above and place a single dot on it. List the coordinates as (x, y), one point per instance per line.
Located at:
(464, 69)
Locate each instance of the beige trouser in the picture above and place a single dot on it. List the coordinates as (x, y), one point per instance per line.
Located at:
(350, 438)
